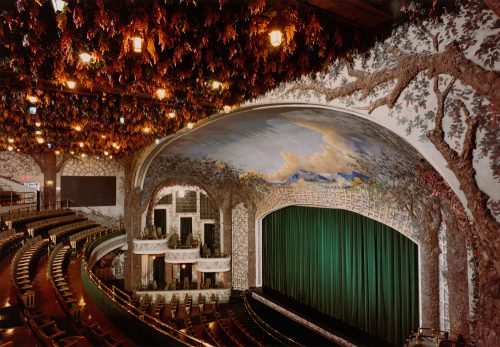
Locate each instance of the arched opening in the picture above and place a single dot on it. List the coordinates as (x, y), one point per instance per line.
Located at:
(344, 265)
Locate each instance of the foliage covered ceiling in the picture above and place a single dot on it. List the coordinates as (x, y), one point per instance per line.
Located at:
(187, 45)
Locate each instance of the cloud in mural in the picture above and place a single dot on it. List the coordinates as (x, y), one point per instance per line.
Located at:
(334, 156)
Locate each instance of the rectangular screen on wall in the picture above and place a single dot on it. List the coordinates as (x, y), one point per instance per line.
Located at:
(89, 190)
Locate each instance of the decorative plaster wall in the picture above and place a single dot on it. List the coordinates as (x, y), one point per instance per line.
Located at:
(174, 218)
(20, 167)
(90, 167)
(240, 247)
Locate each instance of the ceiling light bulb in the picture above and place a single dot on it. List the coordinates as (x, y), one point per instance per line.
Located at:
(137, 44)
(38, 132)
(38, 124)
(85, 57)
(160, 93)
(103, 136)
(81, 144)
(122, 120)
(10, 148)
(106, 153)
(72, 152)
(40, 140)
(275, 37)
(57, 152)
(32, 98)
(110, 157)
(71, 84)
(146, 129)
(83, 155)
(78, 128)
(157, 141)
(190, 125)
(113, 144)
(59, 5)
(216, 84)
(171, 114)
(32, 109)
(11, 140)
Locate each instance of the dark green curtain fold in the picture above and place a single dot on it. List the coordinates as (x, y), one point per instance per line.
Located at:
(345, 265)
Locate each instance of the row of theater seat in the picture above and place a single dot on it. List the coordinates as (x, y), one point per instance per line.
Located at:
(22, 266)
(47, 330)
(61, 233)
(56, 271)
(18, 217)
(52, 222)
(77, 239)
(9, 240)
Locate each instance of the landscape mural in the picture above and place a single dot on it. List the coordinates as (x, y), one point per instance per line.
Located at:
(293, 145)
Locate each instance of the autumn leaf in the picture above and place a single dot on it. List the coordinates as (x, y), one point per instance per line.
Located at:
(77, 17)
(152, 50)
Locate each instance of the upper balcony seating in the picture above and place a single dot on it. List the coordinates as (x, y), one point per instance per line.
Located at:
(53, 222)
(21, 217)
(61, 233)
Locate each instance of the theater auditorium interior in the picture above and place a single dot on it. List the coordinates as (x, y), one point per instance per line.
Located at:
(249, 173)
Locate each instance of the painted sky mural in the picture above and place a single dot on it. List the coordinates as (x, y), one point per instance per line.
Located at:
(290, 144)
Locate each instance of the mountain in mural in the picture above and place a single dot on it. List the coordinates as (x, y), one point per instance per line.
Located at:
(344, 179)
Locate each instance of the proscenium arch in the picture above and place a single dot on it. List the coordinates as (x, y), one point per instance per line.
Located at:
(261, 214)
(155, 150)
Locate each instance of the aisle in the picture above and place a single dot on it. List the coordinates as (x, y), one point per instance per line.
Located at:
(7, 293)
(45, 298)
(90, 312)
(20, 335)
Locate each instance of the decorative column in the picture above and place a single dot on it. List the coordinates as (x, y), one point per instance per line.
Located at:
(252, 260)
(429, 265)
(48, 164)
(239, 257)
(132, 223)
(169, 273)
(456, 258)
(227, 216)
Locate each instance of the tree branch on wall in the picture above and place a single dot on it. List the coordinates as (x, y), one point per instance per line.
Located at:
(451, 62)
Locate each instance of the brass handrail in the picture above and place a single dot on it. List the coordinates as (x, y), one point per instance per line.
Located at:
(275, 334)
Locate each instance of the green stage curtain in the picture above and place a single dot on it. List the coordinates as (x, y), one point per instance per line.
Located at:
(345, 265)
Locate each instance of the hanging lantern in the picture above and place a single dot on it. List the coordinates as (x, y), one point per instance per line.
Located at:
(276, 37)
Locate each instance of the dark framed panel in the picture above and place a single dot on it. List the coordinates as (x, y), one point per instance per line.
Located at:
(89, 190)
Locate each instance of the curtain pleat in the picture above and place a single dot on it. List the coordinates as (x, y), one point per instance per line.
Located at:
(345, 265)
